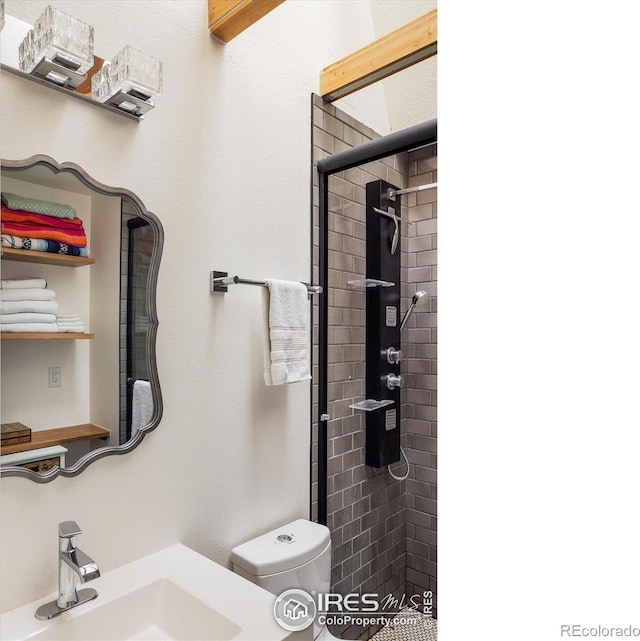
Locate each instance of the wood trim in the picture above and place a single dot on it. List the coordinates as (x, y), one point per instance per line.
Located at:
(45, 258)
(398, 50)
(57, 436)
(228, 18)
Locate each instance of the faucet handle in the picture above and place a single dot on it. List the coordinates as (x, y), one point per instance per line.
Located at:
(68, 529)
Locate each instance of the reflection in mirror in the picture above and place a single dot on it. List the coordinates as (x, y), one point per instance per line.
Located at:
(78, 396)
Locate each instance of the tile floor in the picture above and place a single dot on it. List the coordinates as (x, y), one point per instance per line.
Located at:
(420, 628)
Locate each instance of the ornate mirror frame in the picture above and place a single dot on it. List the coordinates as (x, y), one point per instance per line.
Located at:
(141, 211)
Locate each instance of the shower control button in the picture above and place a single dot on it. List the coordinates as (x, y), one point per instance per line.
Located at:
(393, 381)
(393, 355)
(391, 316)
(390, 420)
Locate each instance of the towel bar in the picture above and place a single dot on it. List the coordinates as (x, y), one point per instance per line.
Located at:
(220, 280)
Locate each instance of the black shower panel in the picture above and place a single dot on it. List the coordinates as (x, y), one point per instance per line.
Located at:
(383, 324)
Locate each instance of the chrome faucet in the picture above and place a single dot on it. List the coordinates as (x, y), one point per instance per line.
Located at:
(71, 561)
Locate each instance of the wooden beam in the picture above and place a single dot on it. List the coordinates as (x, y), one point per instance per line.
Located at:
(228, 18)
(398, 50)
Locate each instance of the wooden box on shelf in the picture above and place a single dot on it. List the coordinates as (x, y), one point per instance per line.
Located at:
(15, 433)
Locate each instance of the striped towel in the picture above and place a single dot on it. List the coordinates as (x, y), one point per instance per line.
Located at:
(41, 245)
(29, 230)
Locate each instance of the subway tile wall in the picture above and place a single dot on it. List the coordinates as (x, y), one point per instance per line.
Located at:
(419, 370)
(368, 510)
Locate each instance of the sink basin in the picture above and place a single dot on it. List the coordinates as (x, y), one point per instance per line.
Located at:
(175, 594)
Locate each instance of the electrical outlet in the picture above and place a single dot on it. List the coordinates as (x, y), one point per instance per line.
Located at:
(55, 377)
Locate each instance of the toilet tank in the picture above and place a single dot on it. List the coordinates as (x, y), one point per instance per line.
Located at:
(296, 555)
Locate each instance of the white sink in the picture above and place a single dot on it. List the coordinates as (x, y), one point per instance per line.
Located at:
(175, 594)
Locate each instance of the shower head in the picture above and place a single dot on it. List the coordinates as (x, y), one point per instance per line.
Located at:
(420, 299)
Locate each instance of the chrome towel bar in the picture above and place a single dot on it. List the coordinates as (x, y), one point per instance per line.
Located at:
(220, 280)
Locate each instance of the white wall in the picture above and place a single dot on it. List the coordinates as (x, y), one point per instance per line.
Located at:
(224, 162)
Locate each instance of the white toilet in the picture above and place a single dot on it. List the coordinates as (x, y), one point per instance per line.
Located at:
(296, 555)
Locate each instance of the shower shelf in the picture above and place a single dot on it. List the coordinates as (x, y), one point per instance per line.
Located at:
(369, 282)
(370, 405)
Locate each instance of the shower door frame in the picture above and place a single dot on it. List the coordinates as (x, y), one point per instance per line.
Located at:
(411, 138)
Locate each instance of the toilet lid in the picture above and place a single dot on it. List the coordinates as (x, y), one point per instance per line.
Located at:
(282, 549)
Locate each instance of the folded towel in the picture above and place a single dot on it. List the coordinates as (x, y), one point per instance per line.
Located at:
(19, 306)
(42, 245)
(70, 323)
(27, 294)
(24, 283)
(141, 405)
(19, 216)
(29, 327)
(72, 329)
(38, 206)
(287, 344)
(29, 230)
(27, 317)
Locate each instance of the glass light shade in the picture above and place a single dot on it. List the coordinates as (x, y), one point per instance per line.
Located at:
(64, 40)
(101, 83)
(136, 73)
(26, 53)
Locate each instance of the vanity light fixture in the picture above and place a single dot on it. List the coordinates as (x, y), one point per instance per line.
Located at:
(58, 49)
(130, 82)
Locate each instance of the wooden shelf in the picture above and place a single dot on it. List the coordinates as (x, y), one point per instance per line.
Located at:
(43, 336)
(44, 258)
(58, 436)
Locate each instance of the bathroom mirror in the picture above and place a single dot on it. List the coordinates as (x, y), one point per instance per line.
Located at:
(72, 397)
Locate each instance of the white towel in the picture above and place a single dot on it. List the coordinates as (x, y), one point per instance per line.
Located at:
(68, 317)
(27, 317)
(28, 327)
(72, 329)
(141, 405)
(27, 294)
(287, 339)
(23, 283)
(19, 306)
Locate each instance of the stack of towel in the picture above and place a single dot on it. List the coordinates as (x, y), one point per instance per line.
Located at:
(27, 305)
(70, 323)
(39, 225)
